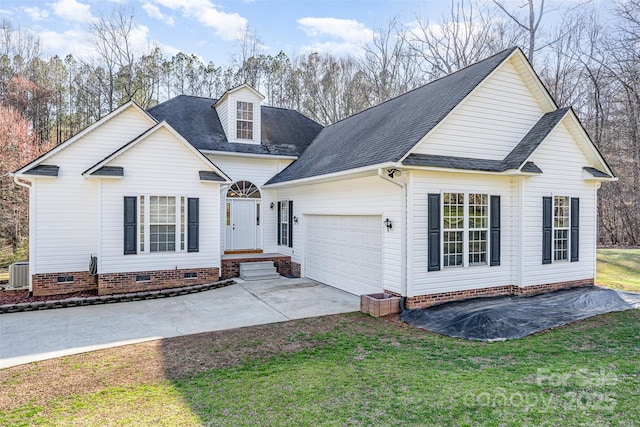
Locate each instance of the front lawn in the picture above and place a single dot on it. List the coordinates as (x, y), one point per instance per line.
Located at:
(340, 370)
(619, 268)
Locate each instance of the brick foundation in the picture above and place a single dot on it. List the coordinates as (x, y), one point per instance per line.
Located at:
(296, 269)
(118, 283)
(424, 301)
(231, 266)
(49, 284)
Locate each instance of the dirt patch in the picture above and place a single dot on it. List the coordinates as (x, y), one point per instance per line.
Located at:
(168, 359)
(16, 297)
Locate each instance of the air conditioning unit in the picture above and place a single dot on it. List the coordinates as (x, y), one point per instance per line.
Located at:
(19, 275)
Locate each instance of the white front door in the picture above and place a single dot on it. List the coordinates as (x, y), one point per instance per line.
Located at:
(243, 224)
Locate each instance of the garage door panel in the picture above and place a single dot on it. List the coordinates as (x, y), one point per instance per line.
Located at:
(344, 251)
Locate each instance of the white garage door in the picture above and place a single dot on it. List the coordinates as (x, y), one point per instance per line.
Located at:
(344, 252)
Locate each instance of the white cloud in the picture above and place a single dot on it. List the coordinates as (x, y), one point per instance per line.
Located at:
(75, 42)
(35, 13)
(154, 12)
(346, 36)
(72, 10)
(228, 26)
(78, 42)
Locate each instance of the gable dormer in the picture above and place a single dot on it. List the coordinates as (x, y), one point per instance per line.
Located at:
(239, 112)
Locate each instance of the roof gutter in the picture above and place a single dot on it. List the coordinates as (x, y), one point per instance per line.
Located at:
(334, 175)
(387, 176)
(24, 184)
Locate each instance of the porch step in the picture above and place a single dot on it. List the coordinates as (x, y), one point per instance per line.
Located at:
(261, 270)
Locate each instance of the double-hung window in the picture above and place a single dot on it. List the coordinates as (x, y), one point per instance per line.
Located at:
(453, 229)
(465, 229)
(244, 120)
(285, 220)
(478, 228)
(560, 228)
(162, 224)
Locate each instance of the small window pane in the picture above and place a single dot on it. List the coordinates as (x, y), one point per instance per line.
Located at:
(561, 228)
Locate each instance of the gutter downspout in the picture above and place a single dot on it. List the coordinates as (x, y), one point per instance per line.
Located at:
(403, 237)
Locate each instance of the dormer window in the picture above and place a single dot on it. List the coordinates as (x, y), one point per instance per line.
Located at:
(244, 122)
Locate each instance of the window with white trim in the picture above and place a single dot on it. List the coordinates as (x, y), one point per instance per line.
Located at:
(284, 222)
(453, 229)
(478, 228)
(244, 120)
(162, 223)
(465, 229)
(561, 225)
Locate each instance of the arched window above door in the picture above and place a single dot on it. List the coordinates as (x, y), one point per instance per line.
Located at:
(243, 189)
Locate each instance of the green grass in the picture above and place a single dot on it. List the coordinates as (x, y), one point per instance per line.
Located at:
(4, 274)
(619, 268)
(370, 372)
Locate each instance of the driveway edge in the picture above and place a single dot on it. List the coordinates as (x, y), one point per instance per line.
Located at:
(110, 299)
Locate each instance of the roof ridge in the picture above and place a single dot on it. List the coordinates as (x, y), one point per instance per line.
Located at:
(511, 49)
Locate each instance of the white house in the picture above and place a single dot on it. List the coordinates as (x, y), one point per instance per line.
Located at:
(474, 184)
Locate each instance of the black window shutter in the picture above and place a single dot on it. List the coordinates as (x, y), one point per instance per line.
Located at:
(494, 219)
(279, 223)
(130, 225)
(575, 229)
(433, 209)
(193, 224)
(290, 225)
(547, 229)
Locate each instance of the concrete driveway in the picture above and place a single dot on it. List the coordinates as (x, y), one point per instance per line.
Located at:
(39, 335)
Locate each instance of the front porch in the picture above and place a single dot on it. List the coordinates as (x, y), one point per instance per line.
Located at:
(230, 263)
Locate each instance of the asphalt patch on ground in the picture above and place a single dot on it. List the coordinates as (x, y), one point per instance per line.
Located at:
(503, 318)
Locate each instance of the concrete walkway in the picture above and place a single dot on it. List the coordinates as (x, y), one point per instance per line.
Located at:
(39, 335)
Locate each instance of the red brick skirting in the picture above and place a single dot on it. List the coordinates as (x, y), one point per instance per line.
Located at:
(423, 301)
(63, 283)
(296, 269)
(231, 266)
(117, 283)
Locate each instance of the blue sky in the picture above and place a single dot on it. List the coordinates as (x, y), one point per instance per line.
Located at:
(210, 28)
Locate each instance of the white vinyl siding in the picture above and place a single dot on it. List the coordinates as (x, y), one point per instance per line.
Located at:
(487, 125)
(159, 166)
(369, 196)
(561, 162)
(65, 219)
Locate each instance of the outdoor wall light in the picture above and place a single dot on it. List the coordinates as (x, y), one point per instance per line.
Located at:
(295, 219)
(271, 205)
(388, 224)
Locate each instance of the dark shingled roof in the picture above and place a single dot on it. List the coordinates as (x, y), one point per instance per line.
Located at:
(531, 168)
(451, 162)
(284, 132)
(210, 176)
(109, 171)
(534, 138)
(596, 173)
(43, 170)
(386, 132)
